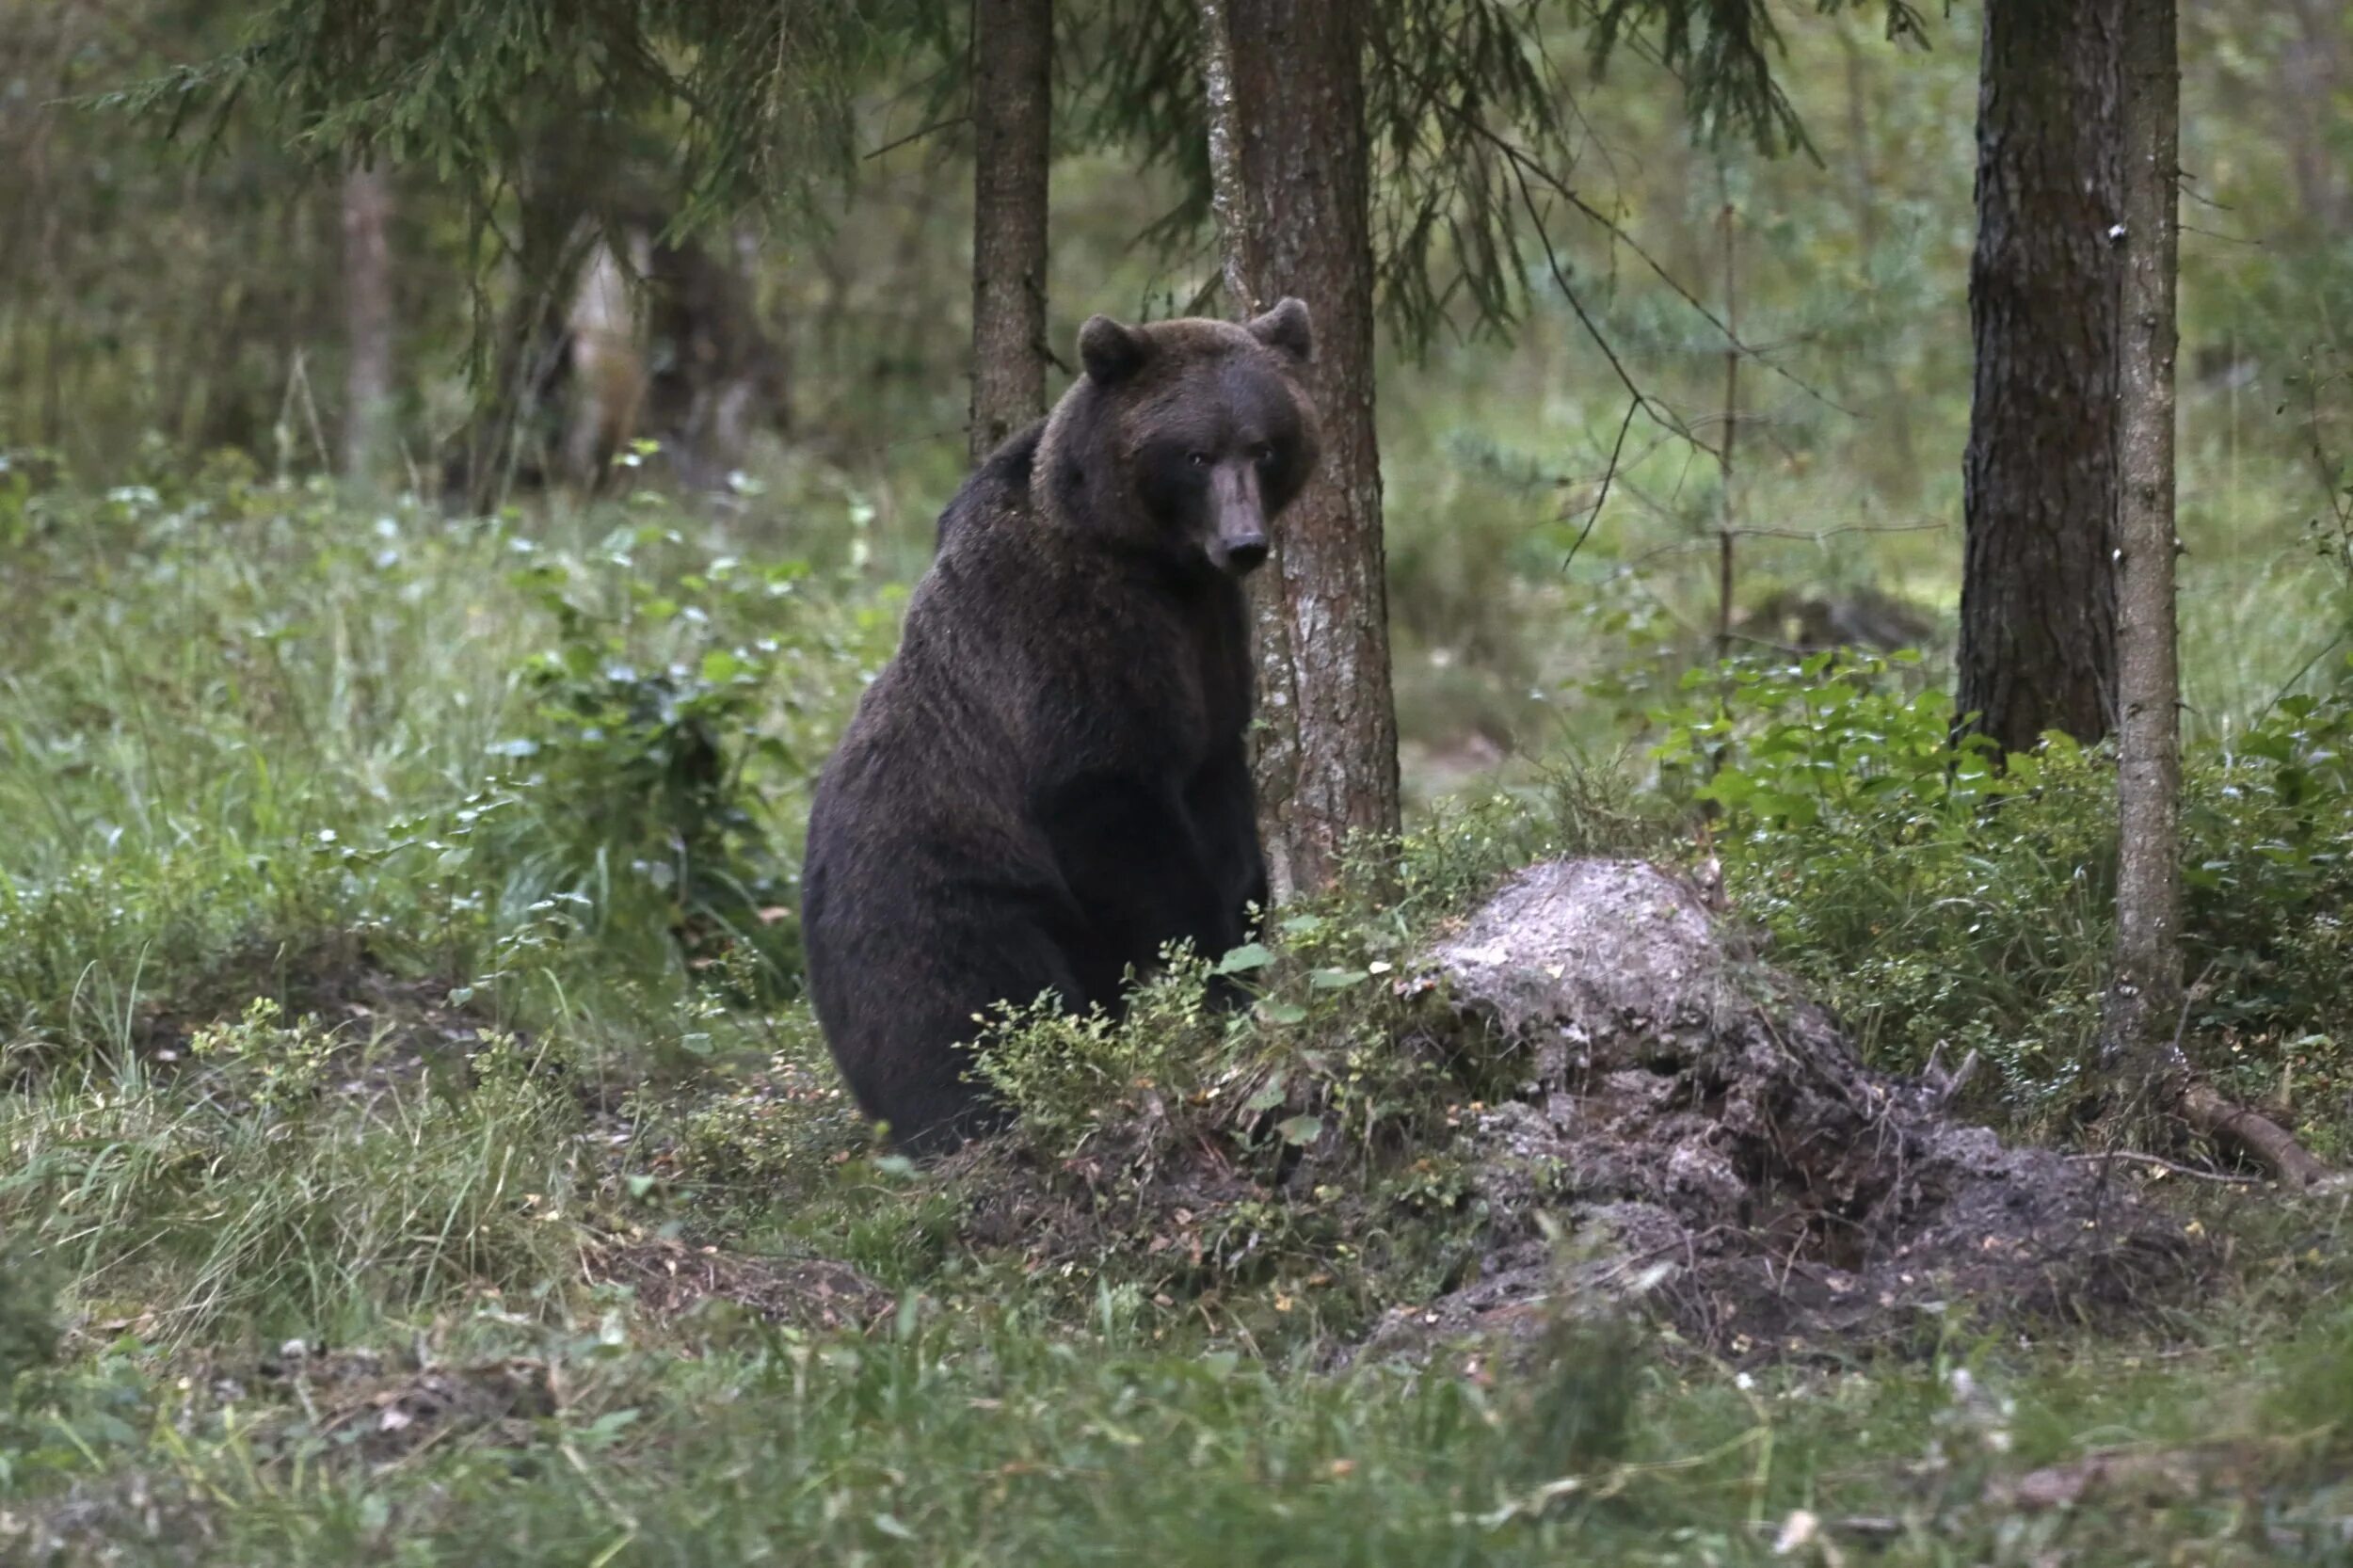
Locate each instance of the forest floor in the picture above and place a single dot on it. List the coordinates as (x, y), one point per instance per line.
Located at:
(528, 1336)
(408, 1154)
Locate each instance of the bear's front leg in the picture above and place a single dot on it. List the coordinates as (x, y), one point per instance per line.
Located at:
(1141, 874)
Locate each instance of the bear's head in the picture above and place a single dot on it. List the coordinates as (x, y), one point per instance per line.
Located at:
(1185, 439)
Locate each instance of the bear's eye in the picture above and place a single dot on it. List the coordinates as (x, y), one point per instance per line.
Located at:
(1198, 459)
(1263, 455)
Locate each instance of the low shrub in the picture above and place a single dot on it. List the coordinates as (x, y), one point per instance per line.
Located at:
(1935, 900)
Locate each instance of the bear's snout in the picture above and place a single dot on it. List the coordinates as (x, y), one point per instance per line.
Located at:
(1238, 542)
(1245, 556)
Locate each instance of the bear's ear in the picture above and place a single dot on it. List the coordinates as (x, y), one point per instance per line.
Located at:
(1286, 328)
(1112, 352)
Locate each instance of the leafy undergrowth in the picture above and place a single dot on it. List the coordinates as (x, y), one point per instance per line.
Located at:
(1942, 907)
(245, 732)
(412, 1150)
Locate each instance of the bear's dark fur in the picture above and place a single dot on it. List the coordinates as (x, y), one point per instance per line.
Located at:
(1050, 779)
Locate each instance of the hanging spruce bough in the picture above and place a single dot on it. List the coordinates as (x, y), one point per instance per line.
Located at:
(536, 112)
(753, 99)
(1471, 114)
(1724, 51)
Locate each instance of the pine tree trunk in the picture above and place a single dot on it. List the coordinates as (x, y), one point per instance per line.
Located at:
(367, 202)
(1012, 46)
(1288, 148)
(2038, 598)
(2147, 994)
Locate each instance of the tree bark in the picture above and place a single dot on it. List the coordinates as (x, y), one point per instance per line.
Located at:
(575, 185)
(2038, 598)
(1012, 68)
(2142, 1027)
(1284, 82)
(367, 201)
(2146, 995)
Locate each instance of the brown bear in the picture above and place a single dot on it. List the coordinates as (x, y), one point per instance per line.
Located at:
(1051, 780)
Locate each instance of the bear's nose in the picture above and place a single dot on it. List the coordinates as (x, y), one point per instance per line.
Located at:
(1246, 556)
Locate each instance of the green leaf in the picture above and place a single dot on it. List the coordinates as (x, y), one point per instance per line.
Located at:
(1728, 789)
(1250, 955)
(1268, 1096)
(1334, 980)
(1301, 1131)
(607, 1427)
(720, 666)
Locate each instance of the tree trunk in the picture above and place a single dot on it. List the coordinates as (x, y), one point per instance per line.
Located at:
(514, 432)
(2146, 997)
(1012, 69)
(367, 320)
(1286, 89)
(2141, 1039)
(2038, 598)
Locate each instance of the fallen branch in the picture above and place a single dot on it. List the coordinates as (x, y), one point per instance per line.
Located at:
(2162, 1164)
(2199, 1105)
(2259, 1138)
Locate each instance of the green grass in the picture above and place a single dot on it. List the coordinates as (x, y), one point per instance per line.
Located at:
(499, 818)
(994, 1438)
(249, 1208)
(247, 726)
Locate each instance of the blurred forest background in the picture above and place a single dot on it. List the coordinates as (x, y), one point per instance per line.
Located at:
(167, 302)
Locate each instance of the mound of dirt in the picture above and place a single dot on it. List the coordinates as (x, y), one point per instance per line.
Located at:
(1709, 1143)
(1730, 1155)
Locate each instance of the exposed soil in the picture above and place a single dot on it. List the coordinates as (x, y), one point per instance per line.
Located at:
(302, 1404)
(358, 1403)
(1709, 1142)
(671, 1278)
(389, 1031)
(1734, 1157)
(372, 1407)
(395, 1025)
(96, 1520)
